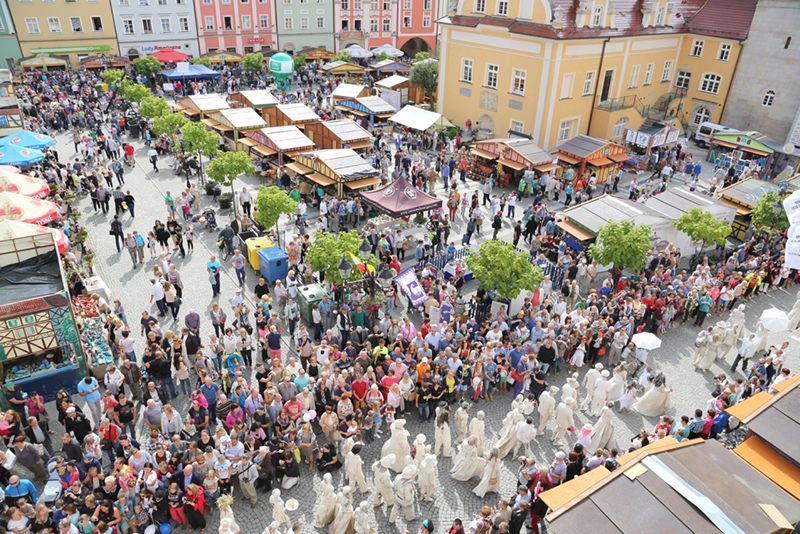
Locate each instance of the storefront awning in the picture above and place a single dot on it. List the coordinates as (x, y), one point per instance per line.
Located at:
(568, 159)
(297, 168)
(362, 183)
(513, 164)
(346, 109)
(619, 158)
(221, 128)
(190, 111)
(600, 162)
(247, 141)
(723, 143)
(575, 230)
(741, 211)
(754, 151)
(295, 153)
(210, 122)
(178, 107)
(264, 150)
(483, 153)
(320, 179)
(547, 167)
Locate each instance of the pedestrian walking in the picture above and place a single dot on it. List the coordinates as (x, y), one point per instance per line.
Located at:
(130, 245)
(213, 266)
(116, 231)
(129, 202)
(153, 155)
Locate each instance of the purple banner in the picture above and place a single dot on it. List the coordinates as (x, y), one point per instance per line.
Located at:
(411, 286)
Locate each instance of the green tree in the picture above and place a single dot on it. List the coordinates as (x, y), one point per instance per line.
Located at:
(343, 55)
(202, 61)
(227, 166)
(112, 76)
(198, 140)
(622, 244)
(151, 107)
(421, 56)
(272, 202)
(299, 61)
(382, 56)
(169, 124)
(426, 75)
(499, 267)
(702, 226)
(253, 62)
(135, 93)
(327, 251)
(763, 215)
(147, 65)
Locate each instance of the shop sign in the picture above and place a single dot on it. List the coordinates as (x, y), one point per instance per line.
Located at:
(156, 48)
(256, 40)
(61, 49)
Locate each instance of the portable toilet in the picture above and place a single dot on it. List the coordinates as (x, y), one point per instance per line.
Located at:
(274, 263)
(307, 296)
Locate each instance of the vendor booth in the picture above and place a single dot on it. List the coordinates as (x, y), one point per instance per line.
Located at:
(401, 85)
(342, 133)
(283, 140)
(744, 151)
(390, 66)
(313, 54)
(400, 199)
(223, 57)
(104, 61)
(342, 68)
(290, 115)
(515, 155)
(643, 141)
(44, 62)
(588, 154)
(258, 100)
(185, 71)
(420, 119)
(348, 91)
(743, 196)
(343, 166)
(197, 107)
(39, 345)
(374, 107)
(233, 123)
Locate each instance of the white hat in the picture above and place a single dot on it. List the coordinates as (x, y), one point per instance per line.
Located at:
(569, 400)
(409, 471)
(424, 360)
(400, 423)
(71, 409)
(561, 455)
(604, 373)
(598, 366)
(388, 460)
(421, 438)
(553, 389)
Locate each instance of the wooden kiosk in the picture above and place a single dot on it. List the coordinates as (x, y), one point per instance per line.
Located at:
(342, 133)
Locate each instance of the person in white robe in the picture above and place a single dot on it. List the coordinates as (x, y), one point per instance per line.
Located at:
(343, 522)
(327, 502)
(525, 432)
(383, 481)
(547, 407)
(564, 420)
(278, 510)
(508, 440)
(462, 422)
(490, 481)
(570, 389)
(354, 469)
(618, 380)
(397, 444)
(657, 400)
(426, 479)
(602, 436)
(600, 395)
(477, 428)
(403, 488)
(442, 432)
(361, 519)
(467, 463)
(589, 380)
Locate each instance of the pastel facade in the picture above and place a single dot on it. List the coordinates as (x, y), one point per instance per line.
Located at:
(405, 24)
(146, 26)
(304, 24)
(241, 26)
(9, 46)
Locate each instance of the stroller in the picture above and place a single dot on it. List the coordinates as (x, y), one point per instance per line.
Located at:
(211, 219)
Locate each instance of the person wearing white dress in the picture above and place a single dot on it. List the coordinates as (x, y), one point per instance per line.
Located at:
(426, 479)
(477, 428)
(570, 389)
(327, 501)
(466, 463)
(628, 398)
(343, 522)
(278, 510)
(383, 481)
(617, 388)
(397, 444)
(508, 440)
(547, 407)
(702, 342)
(602, 436)
(711, 354)
(525, 432)
(490, 481)
(588, 382)
(601, 389)
(403, 487)
(462, 422)
(576, 360)
(361, 519)
(657, 399)
(228, 526)
(418, 451)
(354, 471)
(564, 420)
(442, 432)
(585, 438)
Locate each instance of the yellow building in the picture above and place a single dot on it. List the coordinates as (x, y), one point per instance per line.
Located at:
(66, 29)
(554, 69)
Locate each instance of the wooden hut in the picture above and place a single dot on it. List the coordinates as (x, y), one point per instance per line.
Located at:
(283, 140)
(586, 155)
(316, 54)
(408, 91)
(290, 115)
(223, 57)
(233, 123)
(373, 107)
(258, 100)
(348, 91)
(339, 167)
(390, 66)
(343, 133)
(198, 107)
(342, 68)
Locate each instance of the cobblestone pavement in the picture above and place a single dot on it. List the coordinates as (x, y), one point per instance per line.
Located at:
(453, 499)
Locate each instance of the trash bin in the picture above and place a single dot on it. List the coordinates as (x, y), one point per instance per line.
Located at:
(253, 246)
(273, 263)
(240, 240)
(133, 127)
(307, 296)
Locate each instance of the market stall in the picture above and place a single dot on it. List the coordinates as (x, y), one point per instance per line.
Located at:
(515, 155)
(420, 119)
(400, 199)
(373, 107)
(226, 57)
(342, 133)
(348, 91)
(744, 195)
(316, 54)
(344, 166)
(342, 68)
(290, 115)
(20, 208)
(39, 345)
(184, 72)
(258, 100)
(587, 155)
(283, 140)
(43, 62)
(24, 185)
(641, 142)
(390, 66)
(105, 61)
(747, 151)
(407, 91)
(234, 123)
(197, 107)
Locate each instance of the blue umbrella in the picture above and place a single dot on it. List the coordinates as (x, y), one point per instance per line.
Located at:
(17, 155)
(28, 139)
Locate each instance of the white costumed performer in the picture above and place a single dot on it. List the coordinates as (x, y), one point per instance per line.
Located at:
(343, 522)
(564, 420)
(383, 481)
(490, 481)
(467, 463)
(403, 487)
(547, 407)
(397, 444)
(477, 428)
(327, 502)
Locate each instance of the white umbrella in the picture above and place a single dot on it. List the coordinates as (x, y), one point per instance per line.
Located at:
(775, 320)
(646, 341)
(358, 52)
(389, 49)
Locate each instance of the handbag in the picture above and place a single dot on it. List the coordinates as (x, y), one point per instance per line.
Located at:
(11, 460)
(178, 302)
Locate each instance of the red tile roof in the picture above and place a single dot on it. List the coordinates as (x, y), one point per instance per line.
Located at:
(724, 18)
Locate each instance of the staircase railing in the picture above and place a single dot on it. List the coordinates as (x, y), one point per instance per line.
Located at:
(625, 102)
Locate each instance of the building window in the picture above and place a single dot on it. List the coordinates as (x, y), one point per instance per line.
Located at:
(180, 2)
(648, 73)
(386, 25)
(597, 19)
(588, 83)
(77, 24)
(321, 23)
(492, 72)
(373, 25)
(566, 86)
(660, 16)
(357, 25)
(683, 79)
(97, 24)
(246, 24)
(466, 70)
(231, 49)
(724, 52)
(666, 74)
(33, 25)
(619, 127)
(633, 81)
(710, 83)
(697, 48)
(406, 22)
(426, 21)
(227, 22)
(426, 4)
(206, 2)
(387, 5)
(144, 2)
(183, 24)
(769, 99)
(517, 126)
(373, 5)
(162, 2)
(288, 22)
(209, 23)
(701, 115)
(127, 26)
(346, 25)
(502, 8)
(263, 22)
(518, 82)
(356, 4)
(55, 24)
(480, 6)
(565, 131)
(165, 25)
(345, 5)
(303, 23)
(407, 4)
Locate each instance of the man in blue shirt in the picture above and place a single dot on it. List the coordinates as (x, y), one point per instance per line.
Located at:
(21, 489)
(433, 338)
(516, 354)
(213, 267)
(488, 380)
(87, 388)
(324, 307)
(209, 390)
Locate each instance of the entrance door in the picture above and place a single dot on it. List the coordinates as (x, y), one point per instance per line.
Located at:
(607, 78)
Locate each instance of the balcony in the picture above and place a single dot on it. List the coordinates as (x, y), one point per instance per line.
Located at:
(625, 102)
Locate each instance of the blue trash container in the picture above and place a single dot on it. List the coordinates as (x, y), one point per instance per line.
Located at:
(274, 263)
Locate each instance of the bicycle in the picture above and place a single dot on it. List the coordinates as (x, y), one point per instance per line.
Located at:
(223, 250)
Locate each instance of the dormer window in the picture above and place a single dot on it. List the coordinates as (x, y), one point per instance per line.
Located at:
(660, 16)
(597, 18)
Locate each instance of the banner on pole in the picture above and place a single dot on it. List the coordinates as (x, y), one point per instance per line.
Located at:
(409, 282)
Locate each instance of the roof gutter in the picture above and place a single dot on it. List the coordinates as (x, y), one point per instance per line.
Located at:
(597, 84)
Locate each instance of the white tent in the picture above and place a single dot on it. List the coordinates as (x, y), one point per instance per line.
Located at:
(389, 49)
(419, 119)
(358, 52)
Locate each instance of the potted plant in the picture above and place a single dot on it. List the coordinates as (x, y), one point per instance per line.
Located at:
(225, 201)
(211, 188)
(419, 219)
(75, 215)
(81, 235)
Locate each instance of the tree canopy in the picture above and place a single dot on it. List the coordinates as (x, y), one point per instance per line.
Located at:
(112, 76)
(169, 124)
(228, 165)
(763, 214)
(299, 61)
(499, 267)
(382, 56)
(271, 202)
(421, 56)
(253, 62)
(426, 75)
(702, 226)
(202, 61)
(151, 107)
(135, 93)
(147, 65)
(327, 251)
(622, 244)
(343, 55)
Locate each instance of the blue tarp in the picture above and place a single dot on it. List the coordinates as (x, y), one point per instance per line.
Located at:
(195, 72)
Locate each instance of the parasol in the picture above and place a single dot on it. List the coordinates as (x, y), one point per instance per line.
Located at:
(9, 168)
(775, 320)
(170, 55)
(28, 139)
(358, 52)
(389, 49)
(16, 155)
(23, 185)
(12, 229)
(646, 341)
(20, 208)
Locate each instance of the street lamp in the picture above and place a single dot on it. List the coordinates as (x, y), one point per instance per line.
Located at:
(345, 268)
(365, 250)
(385, 276)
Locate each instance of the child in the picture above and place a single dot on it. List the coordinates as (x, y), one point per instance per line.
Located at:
(151, 244)
(211, 487)
(188, 233)
(58, 510)
(628, 398)
(26, 508)
(376, 409)
(389, 419)
(119, 309)
(368, 428)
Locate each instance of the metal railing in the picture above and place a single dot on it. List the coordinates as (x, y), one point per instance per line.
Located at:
(624, 102)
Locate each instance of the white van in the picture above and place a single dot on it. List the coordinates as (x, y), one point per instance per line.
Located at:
(704, 132)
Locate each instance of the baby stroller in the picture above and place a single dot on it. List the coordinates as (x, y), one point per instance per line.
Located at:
(211, 219)
(52, 489)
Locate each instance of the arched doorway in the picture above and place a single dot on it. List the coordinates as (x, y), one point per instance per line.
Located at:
(289, 48)
(486, 124)
(417, 44)
(133, 54)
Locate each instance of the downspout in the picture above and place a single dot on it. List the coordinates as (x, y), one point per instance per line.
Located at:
(733, 79)
(597, 84)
